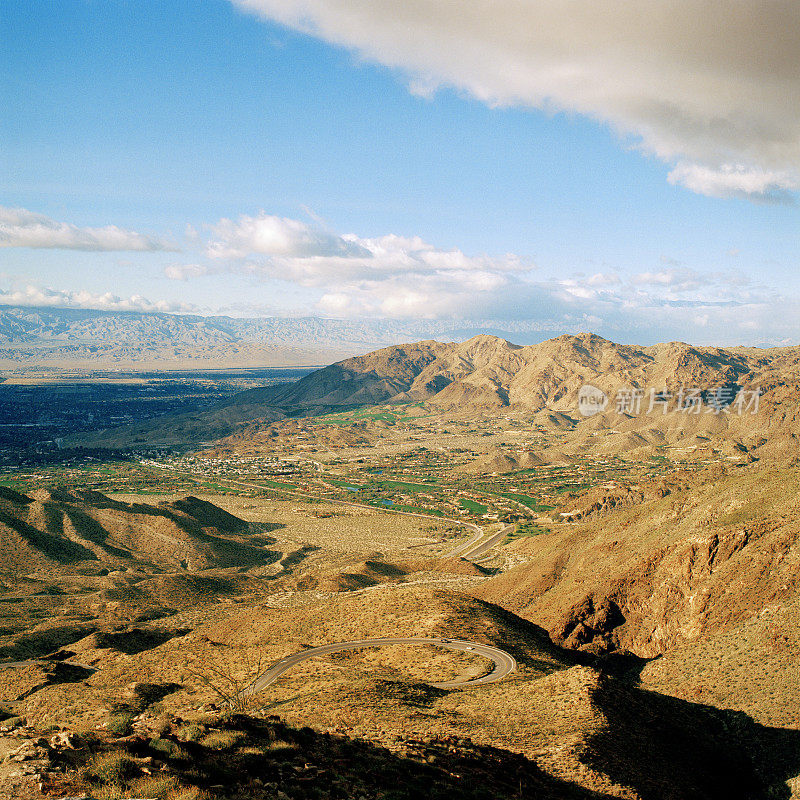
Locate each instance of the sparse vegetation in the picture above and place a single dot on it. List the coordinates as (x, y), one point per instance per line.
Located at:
(119, 723)
(230, 676)
(525, 529)
(116, 768)
(180, 604)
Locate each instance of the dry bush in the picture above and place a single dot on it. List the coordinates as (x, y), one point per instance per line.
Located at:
(115, 768)
(155, 786)
(230, 676)
(222, 740)
(190, 733)
(187, 793)
(119, 723)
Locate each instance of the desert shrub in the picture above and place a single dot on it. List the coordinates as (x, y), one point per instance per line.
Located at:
(280, 747)
(115, 767)
(230, 678)
(191, 733)
(119, 723)
(155, 786)
(187, 793)
(161, 726)
(110, 792)
(165, 746)
(222, 740)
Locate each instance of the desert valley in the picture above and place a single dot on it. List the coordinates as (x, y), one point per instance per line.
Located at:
(636, 565)
(399, 400)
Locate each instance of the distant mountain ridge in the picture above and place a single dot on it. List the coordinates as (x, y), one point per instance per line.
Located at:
(57, 336)
(487, 374)
(488, 371)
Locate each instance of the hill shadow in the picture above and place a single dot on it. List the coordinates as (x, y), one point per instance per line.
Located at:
(305, 763)
(37, 644)
(136, 640)
(665, 747)
(57, 548)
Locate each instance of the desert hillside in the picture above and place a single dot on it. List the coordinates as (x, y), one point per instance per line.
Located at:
(556, 728)
(62, 532)
(638, 568)
(489, 375)
(698, 575)
(486, 371)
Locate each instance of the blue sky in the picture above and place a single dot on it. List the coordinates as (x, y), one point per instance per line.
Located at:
(334, 158)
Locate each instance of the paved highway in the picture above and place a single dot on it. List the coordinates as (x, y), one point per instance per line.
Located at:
(504, 664)
(464, 546)
(488, 543)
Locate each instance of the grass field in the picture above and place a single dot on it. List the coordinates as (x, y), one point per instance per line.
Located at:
(471, 505)
(523, 530)
(411, 487)
(529, 502)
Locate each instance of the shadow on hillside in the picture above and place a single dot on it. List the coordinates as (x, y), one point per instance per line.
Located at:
(56, 547)
(92, 530)
(135, 640)
(186, 512)
(292, 559)
(59, 672)
(527, 642)
(352, 582)
(304, 763)
(690, 750)
(37, 644)
(623, 665)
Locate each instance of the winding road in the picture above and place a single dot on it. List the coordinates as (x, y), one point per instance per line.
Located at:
(470, 550)
(504, 664)
(473, 540)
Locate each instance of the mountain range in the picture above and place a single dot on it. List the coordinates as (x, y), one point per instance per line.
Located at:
(653, 615)
(487, 374)
(77, 337)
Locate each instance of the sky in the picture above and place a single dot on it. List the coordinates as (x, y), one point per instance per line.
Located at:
(627, 168)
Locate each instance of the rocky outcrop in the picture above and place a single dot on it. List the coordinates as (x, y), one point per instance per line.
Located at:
(665, 571)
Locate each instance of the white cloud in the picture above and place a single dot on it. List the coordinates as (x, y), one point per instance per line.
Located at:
(737, 181)
(22, 228)
(277, 236)
(677, 279)
(604, 279)
(182, 272)
(336, 304)
(288, 249)
(702, 85)
(79, 298)
(405, 277)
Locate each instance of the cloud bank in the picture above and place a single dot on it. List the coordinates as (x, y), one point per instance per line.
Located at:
(22, 228)
(54, 298)
(389, 275)
(405, 278)
(710, 88)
